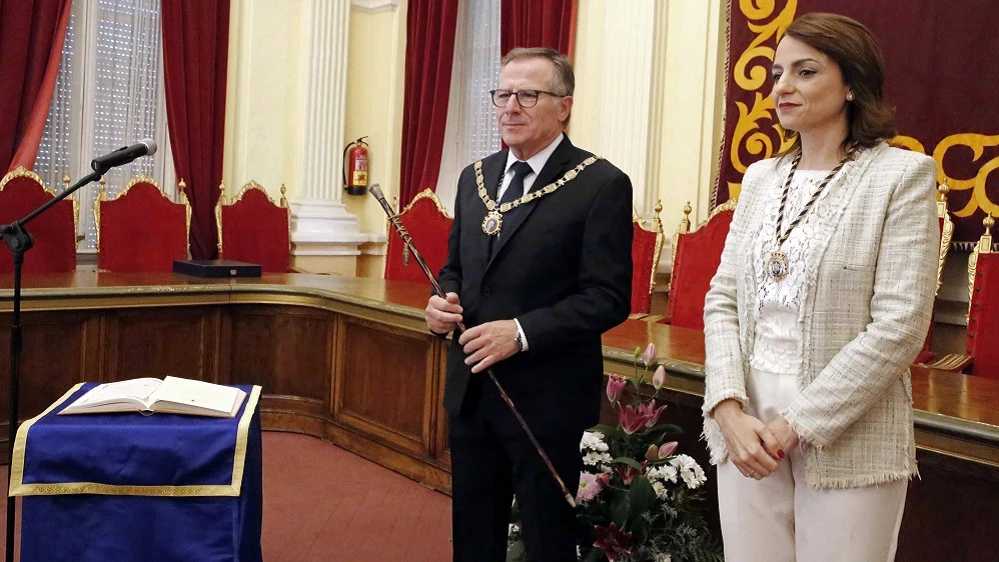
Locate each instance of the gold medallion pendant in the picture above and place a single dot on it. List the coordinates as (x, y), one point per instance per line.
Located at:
(777, 265)
(493, 221)
(492, 224)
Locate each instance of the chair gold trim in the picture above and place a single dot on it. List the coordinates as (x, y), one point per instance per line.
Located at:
(957, 362)
(684, 228)
(102, 195)
(984, 246)
(660, 240)
(21, 171)
(425, 194)
(946, 235)
(251, 185)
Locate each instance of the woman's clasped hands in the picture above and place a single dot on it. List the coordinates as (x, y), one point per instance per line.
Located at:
(754, 447)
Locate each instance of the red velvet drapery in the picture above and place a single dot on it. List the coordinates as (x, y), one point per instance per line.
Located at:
(31, 39)
(195, 57)
(538, 23)
(430, 30)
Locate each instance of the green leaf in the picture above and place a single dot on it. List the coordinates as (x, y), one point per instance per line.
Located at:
(607, 430)
(620, 508)
(594, 555)
(641, 496)
(628, 461)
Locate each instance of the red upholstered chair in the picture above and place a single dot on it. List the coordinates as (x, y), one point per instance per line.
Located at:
(983, 315)
(430, 226)
(646, 246)
(54, 231)
(696, 256)
(255, 229)
(946, 234)
(141, 230)
(981, 352)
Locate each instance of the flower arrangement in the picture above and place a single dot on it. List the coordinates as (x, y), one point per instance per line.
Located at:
(637, 497)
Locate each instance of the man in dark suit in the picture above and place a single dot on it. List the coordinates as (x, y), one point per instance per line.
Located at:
(539, 266)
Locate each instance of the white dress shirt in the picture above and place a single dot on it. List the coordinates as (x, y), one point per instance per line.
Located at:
(536, 162)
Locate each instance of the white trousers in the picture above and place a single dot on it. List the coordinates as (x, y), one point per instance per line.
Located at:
(781, 518)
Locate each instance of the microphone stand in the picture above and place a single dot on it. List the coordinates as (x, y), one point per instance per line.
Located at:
(19, 242)
(376, 191)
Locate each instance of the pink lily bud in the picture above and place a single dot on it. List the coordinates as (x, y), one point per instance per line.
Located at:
(659, 378)
(650, 354)
(667, 449)
(615, 385)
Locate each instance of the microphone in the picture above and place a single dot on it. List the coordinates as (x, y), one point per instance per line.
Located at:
(124, 155)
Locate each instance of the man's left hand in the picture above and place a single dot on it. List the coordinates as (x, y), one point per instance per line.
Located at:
(489, 343)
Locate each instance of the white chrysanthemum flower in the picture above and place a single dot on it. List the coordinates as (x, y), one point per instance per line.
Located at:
(665, 558)
(668, 472)
(660, 489)
(592, 441)
(594, 458)
(691, 472)
(606, 468)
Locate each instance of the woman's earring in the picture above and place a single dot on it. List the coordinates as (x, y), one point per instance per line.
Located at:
(849, 96)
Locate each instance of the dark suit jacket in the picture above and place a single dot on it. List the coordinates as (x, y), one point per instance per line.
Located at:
(562, 268)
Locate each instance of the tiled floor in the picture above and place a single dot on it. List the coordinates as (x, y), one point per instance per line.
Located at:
(322, 504)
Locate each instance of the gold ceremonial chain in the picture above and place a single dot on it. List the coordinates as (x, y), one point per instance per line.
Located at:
(777, 264)
(493, 222)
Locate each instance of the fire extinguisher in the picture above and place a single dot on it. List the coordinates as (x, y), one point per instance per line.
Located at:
(355, 174)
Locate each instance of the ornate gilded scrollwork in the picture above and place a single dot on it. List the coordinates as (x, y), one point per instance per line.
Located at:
(757, 128)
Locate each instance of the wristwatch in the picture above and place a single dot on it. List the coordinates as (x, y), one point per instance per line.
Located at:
(519, 340)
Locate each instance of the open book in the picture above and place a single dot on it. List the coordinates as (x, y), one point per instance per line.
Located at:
(172, 395)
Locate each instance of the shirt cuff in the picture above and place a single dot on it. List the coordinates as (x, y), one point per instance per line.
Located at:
(523, 337)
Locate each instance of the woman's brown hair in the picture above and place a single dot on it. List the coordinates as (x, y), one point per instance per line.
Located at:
(848, 42)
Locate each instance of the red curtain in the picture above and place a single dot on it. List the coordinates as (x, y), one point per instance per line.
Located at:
(195, 49)
(940, 73)
(538, 23)
(430, 30)
(31, 38)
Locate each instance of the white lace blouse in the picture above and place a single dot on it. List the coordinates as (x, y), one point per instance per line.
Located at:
(778, 345)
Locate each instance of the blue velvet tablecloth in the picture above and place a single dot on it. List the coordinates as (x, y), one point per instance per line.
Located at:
(125, 486)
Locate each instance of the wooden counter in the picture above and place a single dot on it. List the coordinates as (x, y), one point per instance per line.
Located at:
(350, 360)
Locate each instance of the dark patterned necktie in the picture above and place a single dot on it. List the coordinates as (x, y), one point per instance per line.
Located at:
(513, 192)
(516, 188)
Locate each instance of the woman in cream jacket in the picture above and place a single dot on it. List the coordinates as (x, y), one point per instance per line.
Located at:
(822, 300)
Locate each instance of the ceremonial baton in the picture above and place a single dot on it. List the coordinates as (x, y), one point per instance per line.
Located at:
(408, 240)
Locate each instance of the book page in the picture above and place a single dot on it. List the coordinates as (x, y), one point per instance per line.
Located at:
(135, 391)
(191, 395)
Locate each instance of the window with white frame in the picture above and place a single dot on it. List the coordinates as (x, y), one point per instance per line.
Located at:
(109, 94)
(471, 133)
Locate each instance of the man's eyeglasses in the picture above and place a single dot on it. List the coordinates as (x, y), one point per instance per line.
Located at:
(526, 98)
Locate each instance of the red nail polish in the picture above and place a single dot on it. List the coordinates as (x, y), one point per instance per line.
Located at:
(780, 453)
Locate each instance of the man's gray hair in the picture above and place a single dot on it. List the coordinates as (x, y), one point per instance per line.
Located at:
(564, 80)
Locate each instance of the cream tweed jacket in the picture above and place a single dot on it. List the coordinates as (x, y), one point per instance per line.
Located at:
(871, 277)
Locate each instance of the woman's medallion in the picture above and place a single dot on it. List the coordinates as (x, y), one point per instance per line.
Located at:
(492, 223)
(777, 265)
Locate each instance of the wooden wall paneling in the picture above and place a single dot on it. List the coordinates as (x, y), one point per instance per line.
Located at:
(950, 511)
(59, 350)
(287, 350)
(159, 342)
(383, 383)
